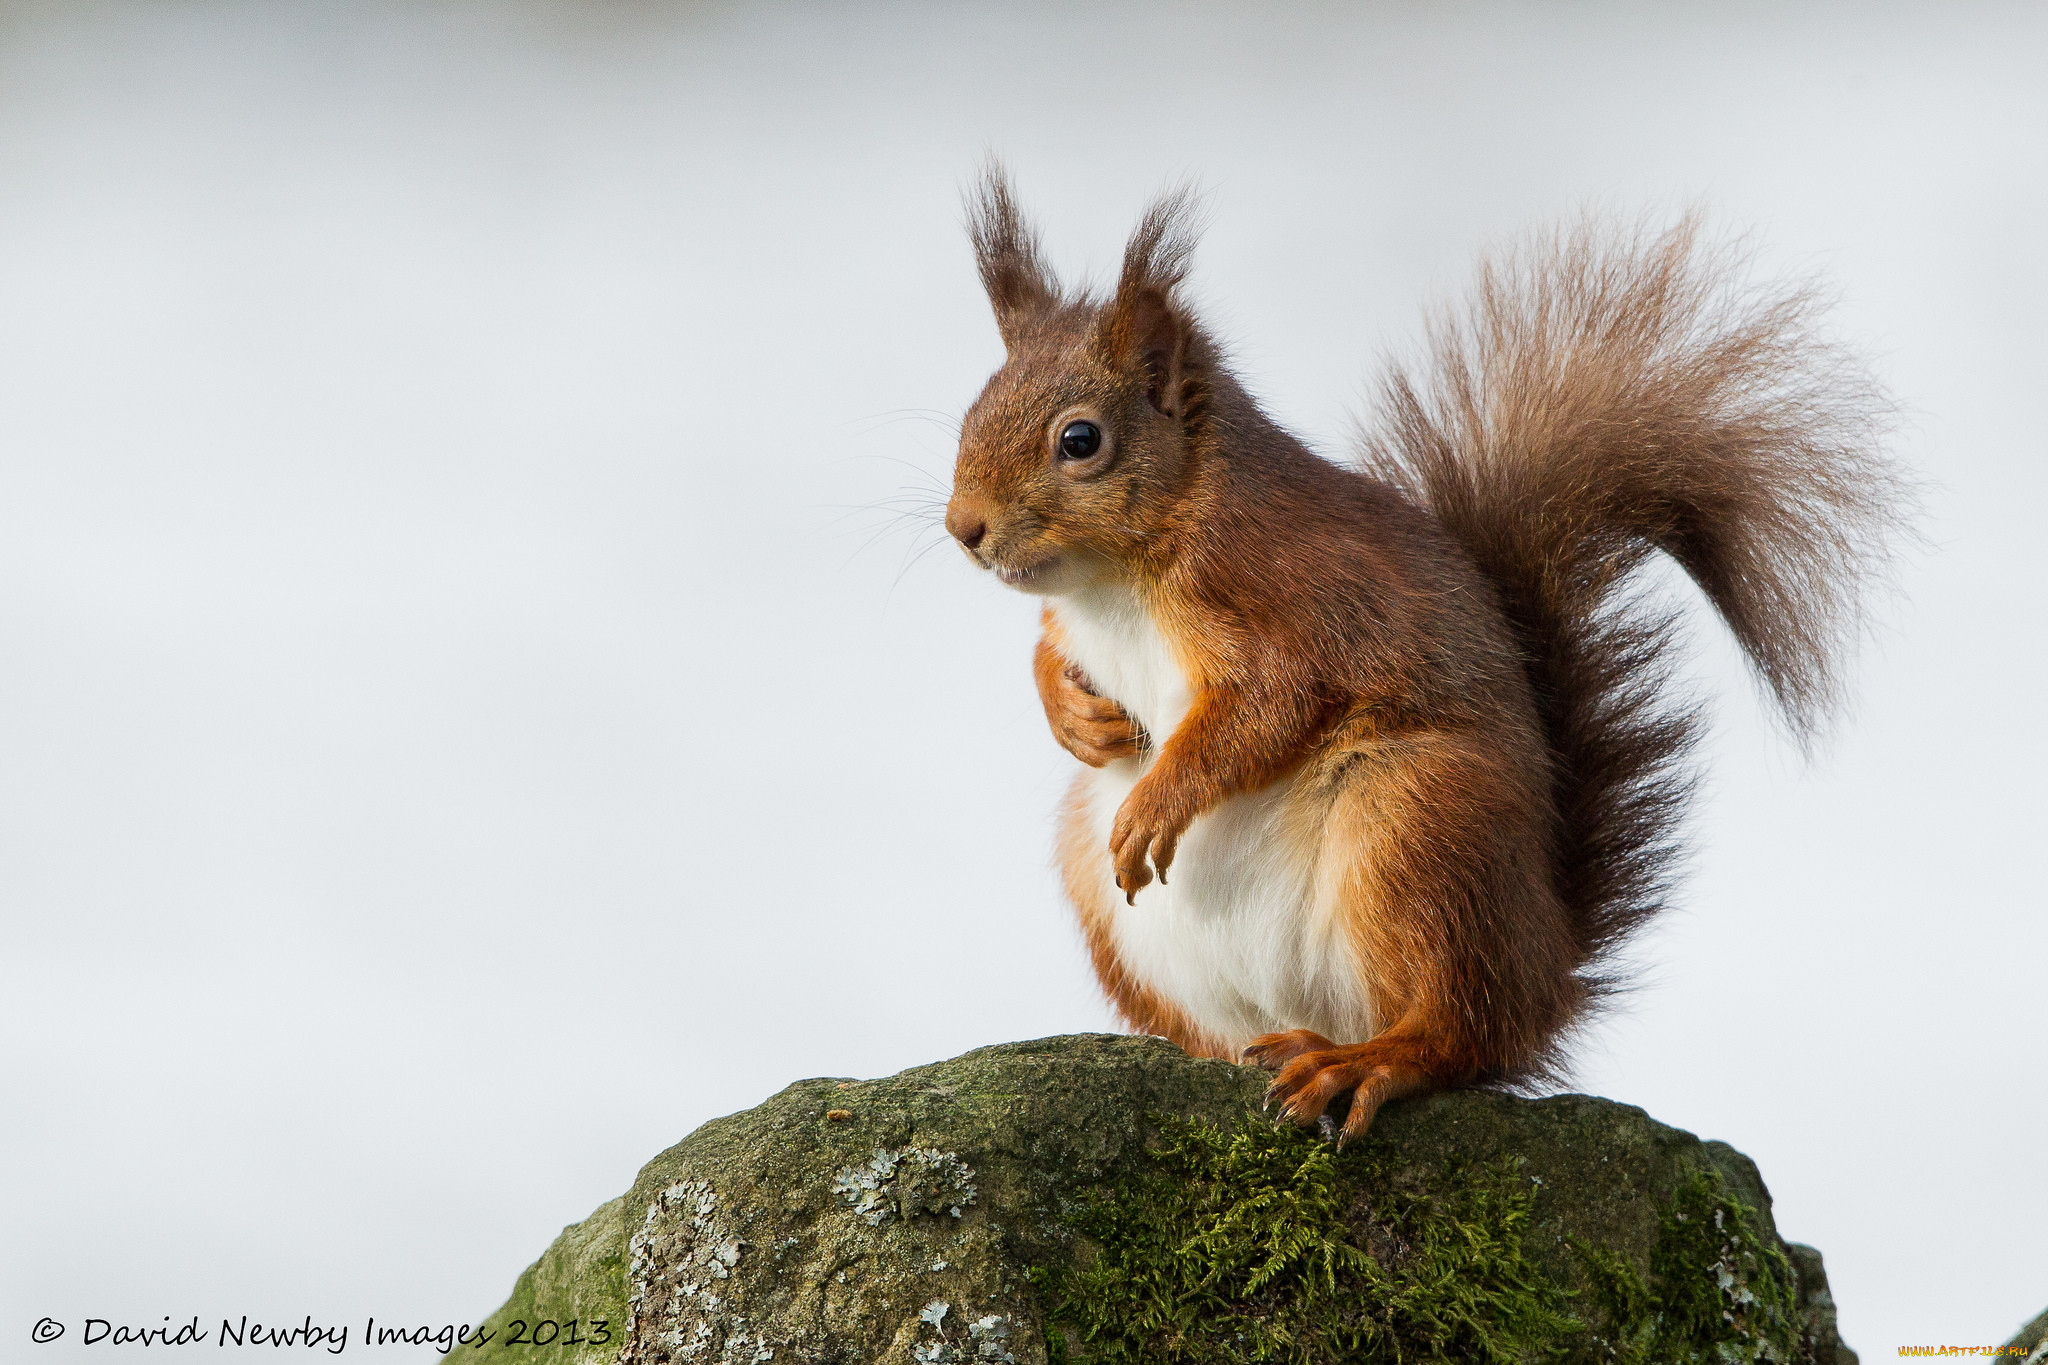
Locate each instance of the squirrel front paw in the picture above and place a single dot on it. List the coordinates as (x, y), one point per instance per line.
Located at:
(1092, 728)
(1147, 830)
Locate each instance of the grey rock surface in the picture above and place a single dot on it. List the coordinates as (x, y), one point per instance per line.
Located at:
(898, 1219)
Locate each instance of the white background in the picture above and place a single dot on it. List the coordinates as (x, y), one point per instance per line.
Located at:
(451, 745)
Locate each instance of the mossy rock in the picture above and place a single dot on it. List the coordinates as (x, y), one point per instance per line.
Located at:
(1103, 1198)
(2030, 1343)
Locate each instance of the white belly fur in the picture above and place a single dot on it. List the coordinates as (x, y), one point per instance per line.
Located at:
(1243, 939)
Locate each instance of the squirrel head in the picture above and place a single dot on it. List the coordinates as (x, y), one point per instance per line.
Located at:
(1077, 450)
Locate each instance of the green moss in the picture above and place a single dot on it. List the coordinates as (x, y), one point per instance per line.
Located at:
(572, 1300)
(1266, 1244)
(1718, 1289)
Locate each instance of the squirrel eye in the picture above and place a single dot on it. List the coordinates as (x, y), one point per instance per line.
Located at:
(1079, 440)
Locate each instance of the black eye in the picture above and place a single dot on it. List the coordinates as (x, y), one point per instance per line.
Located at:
(1080, 440)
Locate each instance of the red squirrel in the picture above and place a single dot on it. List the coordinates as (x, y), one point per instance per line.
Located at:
(1381, 764)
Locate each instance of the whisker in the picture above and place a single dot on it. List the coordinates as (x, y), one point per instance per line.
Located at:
(879, 420)
(917, 518)
(912, 563)
(931, 508)
(926, 476)
(891, 511)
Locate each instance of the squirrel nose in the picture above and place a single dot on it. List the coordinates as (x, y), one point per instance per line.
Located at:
(966, 527)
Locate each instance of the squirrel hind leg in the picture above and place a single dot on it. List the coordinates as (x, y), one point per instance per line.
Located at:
(1440, 874)
(1389, 1067)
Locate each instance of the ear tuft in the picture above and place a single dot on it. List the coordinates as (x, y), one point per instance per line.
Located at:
(1145, 327)
(1159, 252)
(1019, 284)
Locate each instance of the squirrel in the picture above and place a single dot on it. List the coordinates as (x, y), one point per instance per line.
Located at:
(1381, 764)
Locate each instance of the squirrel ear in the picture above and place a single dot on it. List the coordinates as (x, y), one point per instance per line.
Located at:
(1019, 284)
(1144, 327)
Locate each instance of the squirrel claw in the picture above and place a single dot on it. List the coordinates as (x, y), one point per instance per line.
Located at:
(1131, 878)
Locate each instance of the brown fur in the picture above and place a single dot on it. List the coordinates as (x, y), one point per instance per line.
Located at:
(1442, 639)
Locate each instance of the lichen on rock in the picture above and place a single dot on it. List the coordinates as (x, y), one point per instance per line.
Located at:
(677, 1260)
(1102, 1198)
(986, 1339)
(906, 1183)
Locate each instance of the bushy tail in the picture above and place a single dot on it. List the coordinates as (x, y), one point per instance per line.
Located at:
(1608, 394)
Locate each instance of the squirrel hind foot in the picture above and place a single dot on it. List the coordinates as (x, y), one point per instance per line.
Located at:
(1275, 1050)
(1310, 1086)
